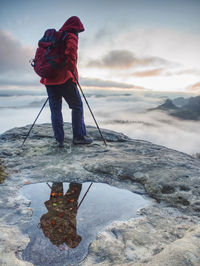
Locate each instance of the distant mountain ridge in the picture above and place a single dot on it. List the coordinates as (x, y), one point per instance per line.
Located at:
(183, 108)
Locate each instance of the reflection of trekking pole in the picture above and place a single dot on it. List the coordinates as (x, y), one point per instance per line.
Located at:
(89, 109)
(34, 122)
(84, 195)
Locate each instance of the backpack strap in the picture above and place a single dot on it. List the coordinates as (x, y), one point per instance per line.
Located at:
(65, 33)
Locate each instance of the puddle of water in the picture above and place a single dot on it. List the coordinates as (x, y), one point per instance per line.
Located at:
(63, 226)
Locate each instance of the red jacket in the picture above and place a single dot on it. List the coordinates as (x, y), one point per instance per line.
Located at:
(72, 25)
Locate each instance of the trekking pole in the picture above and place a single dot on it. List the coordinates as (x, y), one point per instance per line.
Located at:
(84, 196)
(89, 109)
(34, 122)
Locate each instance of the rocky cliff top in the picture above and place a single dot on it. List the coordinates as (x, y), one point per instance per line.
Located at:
(170, 177)
(163, 173)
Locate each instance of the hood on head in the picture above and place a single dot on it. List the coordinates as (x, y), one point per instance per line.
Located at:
(73, 24)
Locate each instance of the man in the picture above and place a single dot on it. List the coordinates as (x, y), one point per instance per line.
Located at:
(59, 223)
(64, 85)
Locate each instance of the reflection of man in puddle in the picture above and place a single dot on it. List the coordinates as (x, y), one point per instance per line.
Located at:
(59, 224)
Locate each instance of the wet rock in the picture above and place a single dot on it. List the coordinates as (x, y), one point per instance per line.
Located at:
(150, 240)
(184, 251)
(169, 176)
(11, 242)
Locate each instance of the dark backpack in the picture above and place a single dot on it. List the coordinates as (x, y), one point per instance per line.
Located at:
(50, 55)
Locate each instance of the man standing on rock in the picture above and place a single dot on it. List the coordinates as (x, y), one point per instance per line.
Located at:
(64, 85)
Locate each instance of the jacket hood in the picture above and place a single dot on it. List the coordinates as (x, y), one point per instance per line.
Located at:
(73, 24)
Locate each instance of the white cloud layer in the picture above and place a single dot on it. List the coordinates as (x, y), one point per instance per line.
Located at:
(127, 114)
(122, 111)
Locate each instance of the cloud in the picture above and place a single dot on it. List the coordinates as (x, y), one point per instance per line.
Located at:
(14, 57)
(103, 33)
(114, 59)
(22, 82)
(107, 84)
(195, 87)
(164, 72)
(124, 59)
(174, 45)
(183, 72)
(148, 73)
(127, 113)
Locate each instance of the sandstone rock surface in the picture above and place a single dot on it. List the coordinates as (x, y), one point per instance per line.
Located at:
(165, 233)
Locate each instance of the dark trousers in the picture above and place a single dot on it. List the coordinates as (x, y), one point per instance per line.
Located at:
(70, 93)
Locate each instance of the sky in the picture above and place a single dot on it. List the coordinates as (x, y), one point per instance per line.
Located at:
(129, 44)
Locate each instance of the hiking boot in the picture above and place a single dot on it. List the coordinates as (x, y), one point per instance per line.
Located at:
(82, 140)
(60, 144)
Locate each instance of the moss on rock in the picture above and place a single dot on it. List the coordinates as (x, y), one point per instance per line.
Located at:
(3, 173)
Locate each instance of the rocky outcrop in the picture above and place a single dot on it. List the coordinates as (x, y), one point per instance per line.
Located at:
(159, 237)
(187, 109)
(170, 177)
(167, 105)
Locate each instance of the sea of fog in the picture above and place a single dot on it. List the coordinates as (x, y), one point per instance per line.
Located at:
(125, 111)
